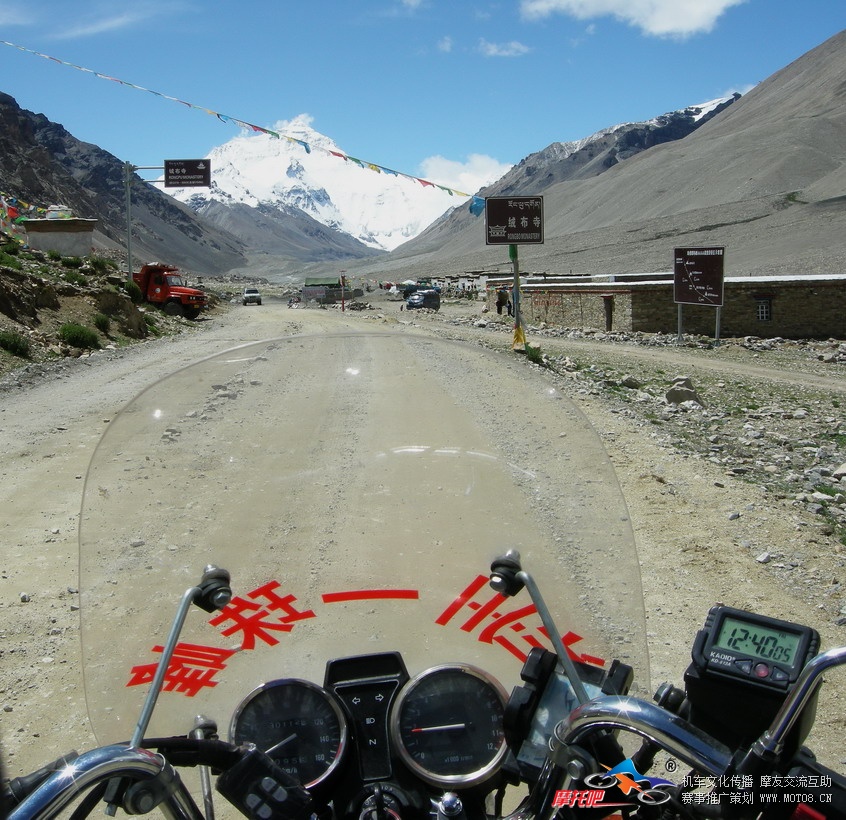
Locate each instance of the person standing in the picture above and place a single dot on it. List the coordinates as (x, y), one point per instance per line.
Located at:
(502, 301)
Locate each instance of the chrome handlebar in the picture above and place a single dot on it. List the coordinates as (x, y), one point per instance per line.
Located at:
(648, 720)
(771, 742)
(670, 732)
(103, 764)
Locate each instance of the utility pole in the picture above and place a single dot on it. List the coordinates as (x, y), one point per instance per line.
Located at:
(128, 170)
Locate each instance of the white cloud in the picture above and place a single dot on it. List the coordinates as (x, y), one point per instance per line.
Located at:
(299, 121)
(512, 49)
(660, 18)
(100, 26)
(445, 44)
(106, 17)
(14, 16)
(478, 171)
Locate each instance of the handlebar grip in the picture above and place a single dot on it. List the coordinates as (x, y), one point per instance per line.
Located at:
(19, 788)
(189, 751)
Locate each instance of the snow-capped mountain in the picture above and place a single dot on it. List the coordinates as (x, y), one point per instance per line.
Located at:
(296, 171)
(307, 171)
(591, 156)
(693, 116)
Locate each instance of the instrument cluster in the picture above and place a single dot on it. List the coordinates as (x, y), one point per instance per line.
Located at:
(445, 725)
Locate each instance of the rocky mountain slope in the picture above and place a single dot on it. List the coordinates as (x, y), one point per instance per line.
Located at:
(259, 182)
(55, 309)
(766, 178)
(594, 155)
(43, 164)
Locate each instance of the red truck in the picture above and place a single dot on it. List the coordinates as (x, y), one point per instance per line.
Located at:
(163, 286)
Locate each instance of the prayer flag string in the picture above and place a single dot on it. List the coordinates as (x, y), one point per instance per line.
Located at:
(476, 203)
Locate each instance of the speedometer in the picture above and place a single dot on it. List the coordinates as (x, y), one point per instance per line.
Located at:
(298, 724)
(447, 725)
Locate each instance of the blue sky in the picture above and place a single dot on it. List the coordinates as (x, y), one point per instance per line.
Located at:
(431, 88)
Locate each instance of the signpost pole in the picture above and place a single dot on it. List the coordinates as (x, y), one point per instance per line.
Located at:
(680, 331)
(519, 340)
(188, 173)
(513, 221)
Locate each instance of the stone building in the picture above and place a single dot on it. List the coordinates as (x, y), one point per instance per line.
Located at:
(798, 307)
(69, 236)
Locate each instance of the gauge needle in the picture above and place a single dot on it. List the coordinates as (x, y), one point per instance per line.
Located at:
(280, 744)
(449, 727)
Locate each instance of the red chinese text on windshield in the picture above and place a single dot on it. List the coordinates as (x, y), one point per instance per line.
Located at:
(191, 668)
(487, 613)
(264, 615)
(260, 615)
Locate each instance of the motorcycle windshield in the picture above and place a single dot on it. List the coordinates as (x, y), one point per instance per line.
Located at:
(357, 488)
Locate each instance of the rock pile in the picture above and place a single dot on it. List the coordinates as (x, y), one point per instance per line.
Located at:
(786, 438)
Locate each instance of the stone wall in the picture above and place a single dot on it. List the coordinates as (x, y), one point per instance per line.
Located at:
(68, 237)
(577, 308)
(794, 310)
(797, 309)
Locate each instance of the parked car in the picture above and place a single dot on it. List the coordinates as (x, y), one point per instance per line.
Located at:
(429, 298)
(251, 296)
(410, 287)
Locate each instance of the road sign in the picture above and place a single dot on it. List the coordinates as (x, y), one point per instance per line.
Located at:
(698, 276)
(187, 173)
(514, 220)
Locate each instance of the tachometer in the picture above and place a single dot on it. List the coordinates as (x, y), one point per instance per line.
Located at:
(299, 724)
(446, 725)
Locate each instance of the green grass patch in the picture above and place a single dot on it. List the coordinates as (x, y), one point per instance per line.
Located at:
(10, 261)
(151, 323)
(534, 354)
(75, 278)
(79, 336)
(100, 264)
(103, 323)
(134, 292)
(826, 489)
(14, 343)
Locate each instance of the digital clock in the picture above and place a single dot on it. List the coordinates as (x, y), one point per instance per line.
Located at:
(759, 650)
(743, 666)
(756, 640)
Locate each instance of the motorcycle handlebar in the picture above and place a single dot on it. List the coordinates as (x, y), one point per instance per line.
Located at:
(19, 788)
(67, 778)
(672, 733)
(97, 766)
(771, 742)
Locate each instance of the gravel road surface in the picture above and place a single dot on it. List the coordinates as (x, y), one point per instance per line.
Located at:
(700, 529)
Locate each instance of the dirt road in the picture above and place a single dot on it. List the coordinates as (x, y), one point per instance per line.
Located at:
(48, 432)
(696, 530)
